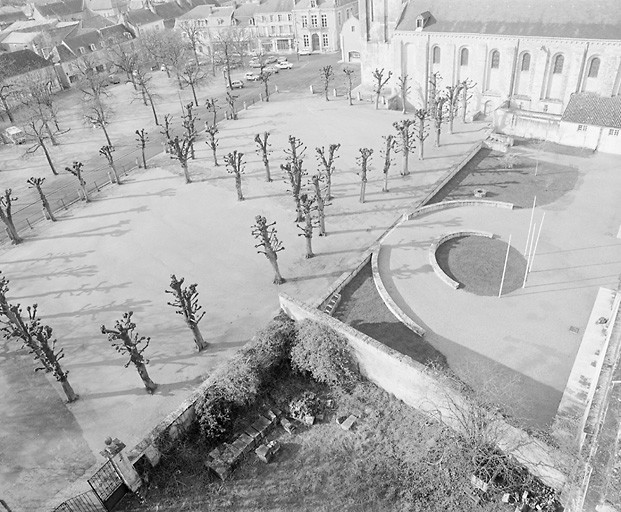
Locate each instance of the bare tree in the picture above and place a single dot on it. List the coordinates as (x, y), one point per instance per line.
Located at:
(186, 303)
(268, 244)
(38, 130)
(387, 154)
(91, 83)
(263, 149)
(166, 130)
(294, 171)
(452, 95)
(106, 151)
(98, 114)
(349, 73)
(76, 170)
(321, 203)
(434, 85)
(193, 35)
(404, 90)
(364, 162)
(327, 74)
(189, 125)
(228, 43)
(37, 184)
(180, 149)
(212, 108)
(36, 337)
(466, 85)
(192, 76)
(146, 89)
(306, 207)
(142, 138)
(7, 91)
(37, 94)
(327, 161)
(422, 116)
(235, 166)
(168, 48)
(439, 114)
(405, 142)
(125, 58)
(125, 340)
(6, 216)
(230, 99)
(380, 82)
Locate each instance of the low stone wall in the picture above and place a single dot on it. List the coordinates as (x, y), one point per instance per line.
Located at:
(458, 203)
(433, 260)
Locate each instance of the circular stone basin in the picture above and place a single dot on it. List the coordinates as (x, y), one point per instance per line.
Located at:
(476, 263)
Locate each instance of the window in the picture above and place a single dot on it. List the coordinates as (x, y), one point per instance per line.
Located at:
(495, 59)
(594, 68)
(525, 66)
(304, 21)
(290, 29)
(545, 108)
(463, 58)
(582, 128)
(281, 29)
(353, 28)
(279, 17)
(271, 17)
(419, 22)
(313, 20)
(92, 47)
(435, 55)
(339, 18)
(82, 50)
(558, 65)
(306, 40)
(289, 17)
(347, 13)
(324, 20)
(614, 132)
(325, 40)
(272, 29)
(313, 3)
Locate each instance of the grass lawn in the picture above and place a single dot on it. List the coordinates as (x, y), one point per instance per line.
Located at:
(363, 308)
(477, 262)
(323, 468)
(518, 185)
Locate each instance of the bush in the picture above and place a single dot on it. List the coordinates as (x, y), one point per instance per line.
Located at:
(215, 415)
(324, 354)
(305, 405)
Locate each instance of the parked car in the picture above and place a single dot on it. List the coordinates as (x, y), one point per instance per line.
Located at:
(304, 52)
(282, 59)
(237, 84)
(114, 79)
(284, 65)
(270, 60)
(15, 135)
(255, 64)
(251, 77)
(271, 69)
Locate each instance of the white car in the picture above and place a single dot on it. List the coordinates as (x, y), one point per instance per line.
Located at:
(304, 52)
(251, 77)
(284, 65)
(237, 84)
(271, 69)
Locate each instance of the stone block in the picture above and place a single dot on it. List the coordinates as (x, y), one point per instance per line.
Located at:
(240, 445)
(249, 442)
(349, 422)
(256, 436)
(309, 420)
(262, 426)
(266, 452)
(289, 427)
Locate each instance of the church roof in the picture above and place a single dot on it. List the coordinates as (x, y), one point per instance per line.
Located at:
(594, 110)
(276, 6)
(579, 19)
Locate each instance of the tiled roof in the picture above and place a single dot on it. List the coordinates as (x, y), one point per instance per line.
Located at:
(276, 6)
(20, 62)
(202, 12)
(142, 17)
(92, 20)
(60, 9)
(30, 25)
(586, 108)
(170, 10)
(579, 19)
(20, 37)
(95, 37)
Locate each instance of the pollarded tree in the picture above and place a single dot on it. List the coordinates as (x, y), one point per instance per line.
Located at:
(147, 90)
(349, 73)
(268, 244)
(264, 78)
(327, 161)
(189, 125)
(466, 85)
(263, 149)
(76, 170)
(39, 130)
(7, 91)
(364, 162)
(404, 90)
(307, 207)
(230, 100)
(452, 95)
(212, 108)
(166, 130)
(6, 216)
(125, 340)
(212, 142)
(180, 149)
(316, 180)
(405, 141)
(434, 85)
(439, 115)
(186, 303)
(380, 82)
(387, 154)
(327, 74)
(142, 137)
(107, 151)
(294, 172)
(98, 114)
(37, 183)
(235, 166)
(422, 116)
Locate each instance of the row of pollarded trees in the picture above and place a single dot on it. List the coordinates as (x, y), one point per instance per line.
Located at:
(38, 338)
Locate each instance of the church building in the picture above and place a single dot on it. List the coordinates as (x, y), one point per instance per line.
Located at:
(525, 56)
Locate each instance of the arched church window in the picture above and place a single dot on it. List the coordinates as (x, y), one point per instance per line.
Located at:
(463, 58)
(495, 59)
(594, 68)
(436, 55)
(525, 66)
(558, 64)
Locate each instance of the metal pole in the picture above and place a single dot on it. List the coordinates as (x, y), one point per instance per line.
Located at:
(504, 270)
(530, 224)
(532, 258)
(531, 241)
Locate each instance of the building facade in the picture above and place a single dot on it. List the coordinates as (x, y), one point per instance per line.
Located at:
(318, 23)
(518, 55)
(275, 26)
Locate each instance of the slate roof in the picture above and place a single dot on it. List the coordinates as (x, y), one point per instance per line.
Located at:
(202, 12)
(141, 17)
(20, 62)
(20, 37)
(92, 20)
(10, 15)
(61, 9)
(276, 6)
(579, 19)
(70, 49)
(325, 4)
(594, 110)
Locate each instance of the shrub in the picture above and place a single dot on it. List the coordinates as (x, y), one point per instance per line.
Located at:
(324, 354)
(305, 405)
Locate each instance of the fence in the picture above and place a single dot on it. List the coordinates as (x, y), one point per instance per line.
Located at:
(86, 502)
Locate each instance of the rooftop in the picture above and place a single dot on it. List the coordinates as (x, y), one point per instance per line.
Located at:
(20, 62)
(594, 110)
(579, 19)
(60, 9)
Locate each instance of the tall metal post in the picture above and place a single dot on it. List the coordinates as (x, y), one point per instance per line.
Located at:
(504, 269)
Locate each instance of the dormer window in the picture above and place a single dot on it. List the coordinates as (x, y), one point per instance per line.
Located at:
(421, 20)
(82, 50)
(313, 3)
(93, 47)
